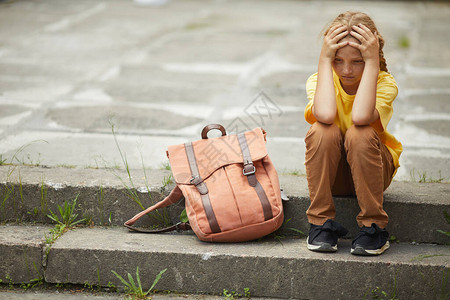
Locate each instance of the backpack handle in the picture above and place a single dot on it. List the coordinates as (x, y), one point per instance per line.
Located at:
(209, 127)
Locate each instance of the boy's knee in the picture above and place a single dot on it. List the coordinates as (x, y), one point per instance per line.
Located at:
(361, 138)
(324, 132)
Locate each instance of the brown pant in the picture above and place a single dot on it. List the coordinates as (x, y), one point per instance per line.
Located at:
(356, 163)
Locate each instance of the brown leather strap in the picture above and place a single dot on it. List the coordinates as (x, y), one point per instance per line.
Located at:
(207, 128)
(173, 197)
(179, 227)
(202, 188)
(249, 170)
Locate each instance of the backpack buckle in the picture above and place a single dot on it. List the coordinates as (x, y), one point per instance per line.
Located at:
(196, 180)
(247, 172)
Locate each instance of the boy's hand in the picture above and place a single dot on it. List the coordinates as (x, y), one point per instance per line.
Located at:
(369, 46)
(330, 42)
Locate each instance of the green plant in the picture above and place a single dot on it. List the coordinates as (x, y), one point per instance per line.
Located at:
(136, 290)
(247, 293)
(233, 294)
(111, 286)
(295, 172)
(2, 160)
(379, 293)
(44, 204)
(167, 180)
(68, 217)
(393, 239)
(38, 281)
(403, 42)
(447, 218)
(160, 215)
(10, 281)
(183, 216)
(165, 166)
(55, 233)
(424, 178)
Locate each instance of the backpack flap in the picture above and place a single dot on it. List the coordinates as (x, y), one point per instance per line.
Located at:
(212, 154)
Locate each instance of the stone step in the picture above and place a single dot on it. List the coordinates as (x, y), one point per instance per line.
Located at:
(109, 197)
(268, 268)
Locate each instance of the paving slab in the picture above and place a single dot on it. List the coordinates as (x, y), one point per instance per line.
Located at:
(268, 268)
(108, 197)
(22, 253)
(167, 70)
(75, 295)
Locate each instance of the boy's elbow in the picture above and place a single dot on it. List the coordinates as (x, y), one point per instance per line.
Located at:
(325, 117)
(361, 120)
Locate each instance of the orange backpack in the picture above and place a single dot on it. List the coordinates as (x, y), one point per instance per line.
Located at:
(230, 186)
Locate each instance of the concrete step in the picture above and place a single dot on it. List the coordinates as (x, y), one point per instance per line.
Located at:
(268, 268)
(416, 210)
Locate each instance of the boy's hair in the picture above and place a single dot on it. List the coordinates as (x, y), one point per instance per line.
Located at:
(350, 18)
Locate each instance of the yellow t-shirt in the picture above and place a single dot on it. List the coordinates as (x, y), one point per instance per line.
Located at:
(386, 93)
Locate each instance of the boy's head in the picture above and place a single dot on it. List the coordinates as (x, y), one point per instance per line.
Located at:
(350, 18)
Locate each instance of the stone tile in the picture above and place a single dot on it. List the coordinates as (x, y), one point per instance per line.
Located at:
(87, 150)
(130, 119)
(22, 252)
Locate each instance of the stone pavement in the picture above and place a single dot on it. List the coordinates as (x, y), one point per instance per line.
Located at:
(159, 73)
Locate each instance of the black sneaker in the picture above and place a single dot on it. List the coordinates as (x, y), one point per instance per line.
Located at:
(323, 238)
(370, 241)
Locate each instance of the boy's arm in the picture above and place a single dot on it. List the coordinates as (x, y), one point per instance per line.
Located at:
(363, 110)
(324, 107)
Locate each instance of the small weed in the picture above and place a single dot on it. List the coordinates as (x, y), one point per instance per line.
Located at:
(2, 160)
(100, 197)
(160, 215)
(66, 166)
(136, 290)
(234, 295)
(38, 281)
(378, 293)
(10, 281)
(247, 293)
(55, 233)
(68, 217)
(295, 172)
(422, 177)
(67, 221)
(165, 166)
(167, 181)
(447, 218)
(111, 286)
(44, 205)
(88, 285)
(393, 239)
(403, 42)
(298, 231)
(183, 216)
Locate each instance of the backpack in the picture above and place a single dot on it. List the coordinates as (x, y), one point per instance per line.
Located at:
(230, 186)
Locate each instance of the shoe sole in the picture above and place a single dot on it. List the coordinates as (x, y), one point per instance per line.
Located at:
(367, 252)
(325, 247)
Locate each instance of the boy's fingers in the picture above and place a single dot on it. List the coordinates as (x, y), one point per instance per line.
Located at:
(342, 44)
(340, 35)
(337, 31)
(361, 31)
(357, 35)
(355, 45)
